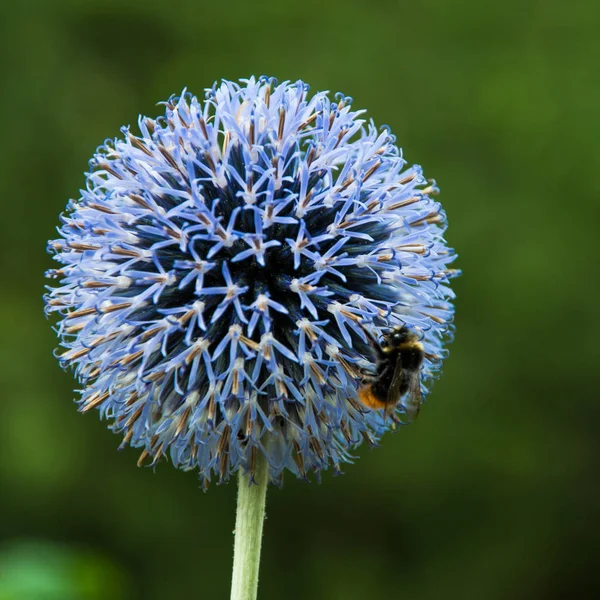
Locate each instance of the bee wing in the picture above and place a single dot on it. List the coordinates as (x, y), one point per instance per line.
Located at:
(413, 397)
(394, 391)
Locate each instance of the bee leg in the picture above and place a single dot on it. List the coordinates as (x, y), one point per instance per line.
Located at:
(367, 371)
(368, 375)
(373, 343)
(389, 410)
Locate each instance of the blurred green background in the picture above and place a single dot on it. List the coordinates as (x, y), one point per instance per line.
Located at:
(495, 492)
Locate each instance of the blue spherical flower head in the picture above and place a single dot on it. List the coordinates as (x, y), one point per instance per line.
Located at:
(219, 272)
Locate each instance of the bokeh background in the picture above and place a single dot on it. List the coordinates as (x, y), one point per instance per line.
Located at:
(495, 492)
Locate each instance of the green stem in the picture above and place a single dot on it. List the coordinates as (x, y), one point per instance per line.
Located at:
(248, 530)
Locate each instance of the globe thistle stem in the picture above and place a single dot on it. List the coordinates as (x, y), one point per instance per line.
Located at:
(250, 515)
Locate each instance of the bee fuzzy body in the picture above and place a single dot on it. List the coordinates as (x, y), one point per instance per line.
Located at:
(398, 360)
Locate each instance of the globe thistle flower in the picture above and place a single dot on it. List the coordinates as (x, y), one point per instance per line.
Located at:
(220, 269)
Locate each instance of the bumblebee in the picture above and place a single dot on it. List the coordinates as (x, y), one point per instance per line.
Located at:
(397, 371)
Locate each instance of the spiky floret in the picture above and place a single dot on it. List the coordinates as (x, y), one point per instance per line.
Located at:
(219, 268)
